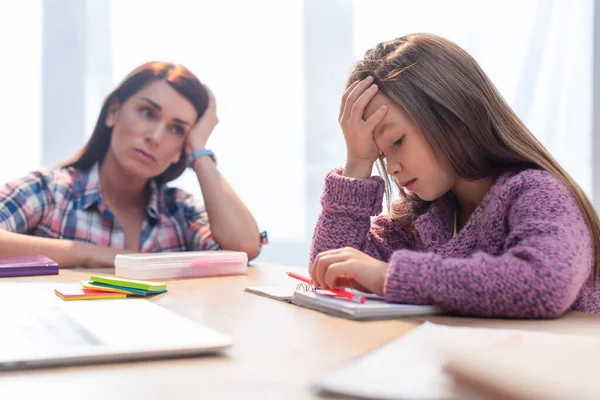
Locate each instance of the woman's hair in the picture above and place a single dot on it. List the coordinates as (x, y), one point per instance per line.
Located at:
(463, 117)
(177, 76)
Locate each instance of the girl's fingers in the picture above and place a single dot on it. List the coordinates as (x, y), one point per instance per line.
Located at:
(376, 118)
(358, 108)
(335, 271)
(321, 266)
(354, 94)
(345, 96)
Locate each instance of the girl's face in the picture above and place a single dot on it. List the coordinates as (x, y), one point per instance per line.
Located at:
(150, 128)
(409, 157)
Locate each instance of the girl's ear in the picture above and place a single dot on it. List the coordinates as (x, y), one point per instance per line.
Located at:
(113, 113)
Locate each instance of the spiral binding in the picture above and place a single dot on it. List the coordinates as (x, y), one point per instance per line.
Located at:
(305, 287)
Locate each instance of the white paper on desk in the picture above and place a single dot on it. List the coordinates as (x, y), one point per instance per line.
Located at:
(412, 366)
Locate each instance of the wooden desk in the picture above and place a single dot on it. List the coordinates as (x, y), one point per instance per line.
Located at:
(279, 348)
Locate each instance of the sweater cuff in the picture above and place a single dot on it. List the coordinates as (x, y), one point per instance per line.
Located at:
(355, 196)
(407, 277)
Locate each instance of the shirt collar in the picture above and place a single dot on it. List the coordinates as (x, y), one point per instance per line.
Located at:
(87, 185)
(153, 205)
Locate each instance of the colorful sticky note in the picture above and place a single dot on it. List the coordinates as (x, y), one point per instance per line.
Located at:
(130, 283)
(78, 293)
(112, 289)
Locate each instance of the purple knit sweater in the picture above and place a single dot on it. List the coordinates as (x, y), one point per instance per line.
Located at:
(526, 251)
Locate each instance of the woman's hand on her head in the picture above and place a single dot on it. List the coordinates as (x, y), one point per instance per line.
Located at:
(203, 128)
(362, 152)
(351, 268)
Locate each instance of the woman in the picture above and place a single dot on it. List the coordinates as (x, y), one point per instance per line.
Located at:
(113, 198)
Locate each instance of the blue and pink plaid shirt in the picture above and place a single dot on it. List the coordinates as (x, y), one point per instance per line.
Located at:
(65, 203)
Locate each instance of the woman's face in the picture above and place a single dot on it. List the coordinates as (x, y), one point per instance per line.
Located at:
(150, 128)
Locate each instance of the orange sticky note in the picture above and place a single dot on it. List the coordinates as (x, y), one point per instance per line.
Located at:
(78, 293)
(87, 285)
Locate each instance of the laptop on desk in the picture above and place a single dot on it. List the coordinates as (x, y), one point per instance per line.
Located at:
(41, 330)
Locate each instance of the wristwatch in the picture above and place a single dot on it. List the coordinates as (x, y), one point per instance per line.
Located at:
(200, 153)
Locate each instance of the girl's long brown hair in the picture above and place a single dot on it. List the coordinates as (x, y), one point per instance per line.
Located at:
(463, 117)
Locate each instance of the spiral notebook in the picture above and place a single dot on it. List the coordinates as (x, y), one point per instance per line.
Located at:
(322, 300)
(281, 293)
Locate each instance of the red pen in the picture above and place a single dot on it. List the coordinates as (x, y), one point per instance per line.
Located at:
(338, 292)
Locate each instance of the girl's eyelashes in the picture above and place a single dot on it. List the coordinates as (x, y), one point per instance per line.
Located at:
(399, 141)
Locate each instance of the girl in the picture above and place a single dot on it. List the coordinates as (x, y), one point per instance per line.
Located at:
(113, 198)
(488, 223)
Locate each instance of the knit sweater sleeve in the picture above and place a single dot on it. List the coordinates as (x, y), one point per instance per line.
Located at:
(345, 221)
(547, 256)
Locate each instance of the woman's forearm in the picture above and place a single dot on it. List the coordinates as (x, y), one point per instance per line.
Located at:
(66, 253)
(231, 223)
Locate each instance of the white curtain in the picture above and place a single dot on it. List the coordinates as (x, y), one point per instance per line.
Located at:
(20, 99)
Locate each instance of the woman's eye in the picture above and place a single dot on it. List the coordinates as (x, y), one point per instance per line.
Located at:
(147, 112)
(178, 130)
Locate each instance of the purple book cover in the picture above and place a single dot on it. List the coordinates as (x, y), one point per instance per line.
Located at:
(27, 266)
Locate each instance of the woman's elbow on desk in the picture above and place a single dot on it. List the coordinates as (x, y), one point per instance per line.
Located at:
(251, 248)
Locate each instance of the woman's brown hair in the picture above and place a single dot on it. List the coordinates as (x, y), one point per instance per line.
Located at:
(463, 117)
(177, 76)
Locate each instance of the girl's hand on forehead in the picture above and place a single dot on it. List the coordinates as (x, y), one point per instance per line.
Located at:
(362, 152)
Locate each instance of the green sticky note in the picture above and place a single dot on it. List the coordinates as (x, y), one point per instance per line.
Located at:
(130, 283)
